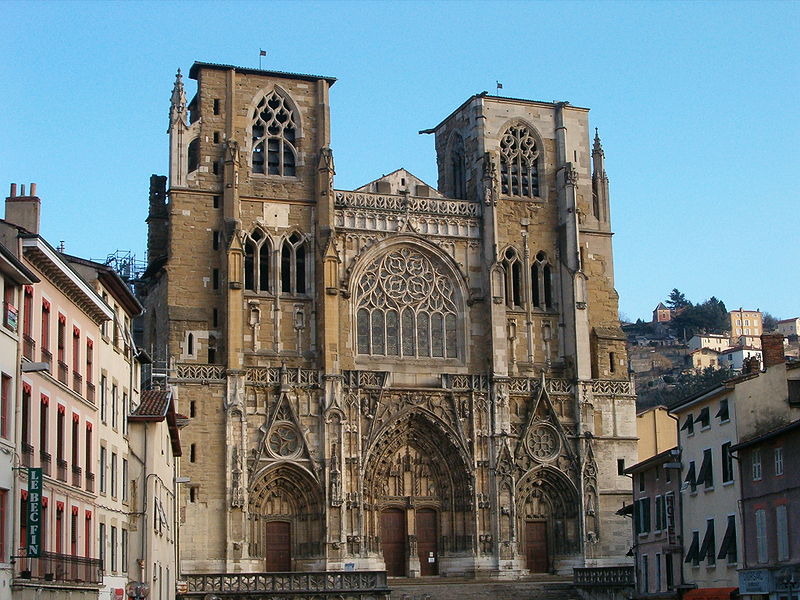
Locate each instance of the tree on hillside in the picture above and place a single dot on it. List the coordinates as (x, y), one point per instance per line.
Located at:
(769, 322)
(710, 316)
(677, 300)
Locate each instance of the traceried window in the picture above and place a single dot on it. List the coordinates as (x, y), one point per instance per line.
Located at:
(513, 268)
(257, 262)
(541, 282)
(407, 306)
(293, 265)
(519, 174)
(458, 168)
(274, 132)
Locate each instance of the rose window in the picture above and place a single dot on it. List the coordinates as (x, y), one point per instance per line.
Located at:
(284, 440)
(543, 442)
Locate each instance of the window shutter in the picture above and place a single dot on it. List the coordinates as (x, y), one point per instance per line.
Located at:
(782, 530)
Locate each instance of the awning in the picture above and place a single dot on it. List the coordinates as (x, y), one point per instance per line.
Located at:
(710, 593)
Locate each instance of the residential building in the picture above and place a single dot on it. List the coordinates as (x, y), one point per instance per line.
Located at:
(152, 537)
(703, 358)
(745, 322)
(118, 391)
(14, 278)
(388, 377)
(711, 424)
(60, 321)
(753, 341)
(771, 510)
(656, 431)
(789, 327)
(656, 523)
(713, 341)
(662, 314)
(734, 358)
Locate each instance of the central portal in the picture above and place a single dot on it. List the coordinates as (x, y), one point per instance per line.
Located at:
(536, 555)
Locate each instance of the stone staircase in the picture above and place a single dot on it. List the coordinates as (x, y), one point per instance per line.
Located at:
(451, 588)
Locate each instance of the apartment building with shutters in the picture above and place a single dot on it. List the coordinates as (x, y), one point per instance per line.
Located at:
(13, 277)
(60, 321)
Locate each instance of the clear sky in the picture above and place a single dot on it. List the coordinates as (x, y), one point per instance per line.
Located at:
(696, 102)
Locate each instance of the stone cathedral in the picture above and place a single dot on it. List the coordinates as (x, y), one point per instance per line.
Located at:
(426, 380)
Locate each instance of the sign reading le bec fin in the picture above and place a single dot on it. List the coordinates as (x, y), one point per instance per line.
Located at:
(34, 545)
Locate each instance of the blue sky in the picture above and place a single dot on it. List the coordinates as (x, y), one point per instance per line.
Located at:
(697, 105)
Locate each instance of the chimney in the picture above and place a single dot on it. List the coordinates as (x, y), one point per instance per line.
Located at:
(772, 349)
(24, 211)
(751, 365)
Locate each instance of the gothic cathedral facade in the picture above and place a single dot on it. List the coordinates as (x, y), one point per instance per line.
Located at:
(423, 380)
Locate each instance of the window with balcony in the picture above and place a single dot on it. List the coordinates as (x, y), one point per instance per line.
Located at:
(61, 461)
(62, 351)
(5, 404)
(77, 380)
(27, 323)
(44, 455)
(27, 447)
(10, 313)
(44, 337)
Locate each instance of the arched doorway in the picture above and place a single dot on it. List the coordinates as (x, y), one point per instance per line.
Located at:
(285, 518)
(418, 495)
(548, 508)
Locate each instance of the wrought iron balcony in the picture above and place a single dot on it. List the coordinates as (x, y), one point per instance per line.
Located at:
(45, 459)
(621, 576)
(76, 476)
(63, 372)
(61, 469)
(54, 567)
(47, 357)
(355, 584)
(28, 346)
(77, 383)
(27, 455)
(89, 482)
(90, 391)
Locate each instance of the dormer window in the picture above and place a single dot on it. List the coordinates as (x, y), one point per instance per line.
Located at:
(519, 174)
(274, 133)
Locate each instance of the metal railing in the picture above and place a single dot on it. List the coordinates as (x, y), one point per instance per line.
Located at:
(51, 566)
(76, 476)
(89, 482)
(77, 383)
(620, 576)
(355, 584)
(45, 460)
(47, 357)
(27, 455)
(28, 346)
(61, 469)
(63, 372)
(90, 391)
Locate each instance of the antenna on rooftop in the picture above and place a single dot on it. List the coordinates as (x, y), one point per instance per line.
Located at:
(261, 53)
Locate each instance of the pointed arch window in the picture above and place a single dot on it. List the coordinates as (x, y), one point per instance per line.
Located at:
(274, 136)
(519, 173)
(458, 168)
(257, 256)
(406, 306)
(193, 158)
(513, 279)
(541, 282)
(293, 265)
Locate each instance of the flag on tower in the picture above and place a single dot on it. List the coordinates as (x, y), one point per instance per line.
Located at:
(499, 86)
(262, 52)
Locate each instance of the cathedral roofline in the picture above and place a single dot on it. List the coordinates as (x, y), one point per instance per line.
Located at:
(500, 98)
(193, 72)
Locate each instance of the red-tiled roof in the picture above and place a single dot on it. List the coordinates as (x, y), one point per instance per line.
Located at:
(153, 403)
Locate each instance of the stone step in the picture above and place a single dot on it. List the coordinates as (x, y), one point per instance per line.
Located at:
(442, 588)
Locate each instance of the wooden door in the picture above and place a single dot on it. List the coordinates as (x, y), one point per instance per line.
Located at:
(427, 536)
(393, 541)
(536, 556)
(279, 546)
